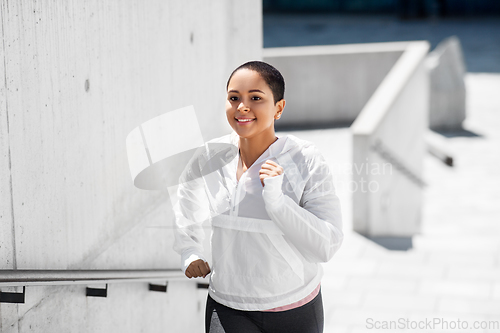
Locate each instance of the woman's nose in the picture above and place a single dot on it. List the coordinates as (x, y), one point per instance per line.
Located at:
(243, 107)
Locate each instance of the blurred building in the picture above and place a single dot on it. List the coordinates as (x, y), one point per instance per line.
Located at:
(405, 9)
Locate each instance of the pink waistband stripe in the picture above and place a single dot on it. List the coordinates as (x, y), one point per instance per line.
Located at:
(303, 301)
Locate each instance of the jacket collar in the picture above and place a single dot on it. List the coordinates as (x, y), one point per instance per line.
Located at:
(281, 146)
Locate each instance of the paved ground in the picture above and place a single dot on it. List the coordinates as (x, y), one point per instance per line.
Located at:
(480, 37)
(452, 273)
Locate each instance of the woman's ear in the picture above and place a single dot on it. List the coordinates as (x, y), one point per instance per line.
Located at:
(280, 105)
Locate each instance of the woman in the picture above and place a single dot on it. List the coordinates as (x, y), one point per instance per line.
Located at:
(274, 213)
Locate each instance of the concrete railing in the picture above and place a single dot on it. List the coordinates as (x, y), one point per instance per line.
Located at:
(330, 84)
(382, 89)
(447, 70)
(388, 150)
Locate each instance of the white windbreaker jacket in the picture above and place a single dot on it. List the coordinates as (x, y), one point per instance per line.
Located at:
(267, 242)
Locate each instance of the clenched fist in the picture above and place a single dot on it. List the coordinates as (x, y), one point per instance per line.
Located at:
(198, 268)
(269, 169)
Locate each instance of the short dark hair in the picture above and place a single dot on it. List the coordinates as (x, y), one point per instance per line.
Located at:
(271, 75)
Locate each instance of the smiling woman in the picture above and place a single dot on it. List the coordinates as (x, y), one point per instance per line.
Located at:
(254, 102)
(269, 232)
(252, 107)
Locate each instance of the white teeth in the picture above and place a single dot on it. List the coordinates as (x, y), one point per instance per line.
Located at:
(245, 120)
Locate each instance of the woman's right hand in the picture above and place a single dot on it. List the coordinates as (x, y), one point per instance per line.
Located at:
(198, 268)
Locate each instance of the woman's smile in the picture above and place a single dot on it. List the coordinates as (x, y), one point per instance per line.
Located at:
(244, 121)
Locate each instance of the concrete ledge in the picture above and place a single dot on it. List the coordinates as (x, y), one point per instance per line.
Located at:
(389, 90)
(388, 149)
(315, 50)
(330, 83)
(382, 90)
(447, 95)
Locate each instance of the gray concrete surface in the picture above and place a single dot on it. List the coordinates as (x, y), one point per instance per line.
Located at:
(75, 79)
(388, 149)
(446, 67)
(453, 270)
(480, 37)
(330, 84)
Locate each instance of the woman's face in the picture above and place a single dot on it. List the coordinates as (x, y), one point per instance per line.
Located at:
(250, 107)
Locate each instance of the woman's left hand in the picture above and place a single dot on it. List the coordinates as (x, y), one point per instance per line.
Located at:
(269, 169)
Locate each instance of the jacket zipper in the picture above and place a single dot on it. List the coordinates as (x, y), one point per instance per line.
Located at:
(235, 197)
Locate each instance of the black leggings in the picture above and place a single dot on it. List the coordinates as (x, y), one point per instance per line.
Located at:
(307, 318)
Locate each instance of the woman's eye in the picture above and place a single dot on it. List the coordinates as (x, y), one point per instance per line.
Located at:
(233, 98)
(256, 98)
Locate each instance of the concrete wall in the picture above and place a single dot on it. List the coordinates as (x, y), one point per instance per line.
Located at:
(76, 77)
(447, 99)
(388, 150)
(329, 85)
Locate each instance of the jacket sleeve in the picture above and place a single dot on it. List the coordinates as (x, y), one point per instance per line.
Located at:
(315, 228)
(191, 210)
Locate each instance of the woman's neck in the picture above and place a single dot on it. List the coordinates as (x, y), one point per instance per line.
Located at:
(252, 148)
